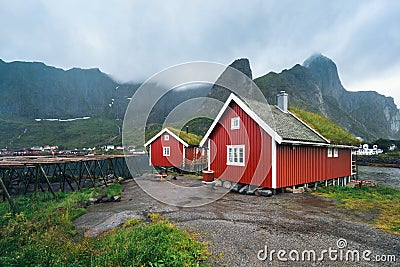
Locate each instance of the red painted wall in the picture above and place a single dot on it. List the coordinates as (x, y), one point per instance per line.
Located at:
(258, 153)
(176, 152)
(304, 164)
(190, 153)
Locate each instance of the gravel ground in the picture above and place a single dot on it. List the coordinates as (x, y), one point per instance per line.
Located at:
(236, 227)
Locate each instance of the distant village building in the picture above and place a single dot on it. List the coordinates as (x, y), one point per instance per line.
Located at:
(109, 147)
(392, 147)
(364, 150)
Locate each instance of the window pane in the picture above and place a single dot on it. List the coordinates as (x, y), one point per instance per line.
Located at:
(230, 159)
(235, 123)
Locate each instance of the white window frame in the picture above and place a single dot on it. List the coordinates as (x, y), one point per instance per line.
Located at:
(233, 155)
(166, 137)
(166, 151)
(235, 123)
(335, 152)
(329, 152)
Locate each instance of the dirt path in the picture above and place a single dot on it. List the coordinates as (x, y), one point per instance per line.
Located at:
(237, 227)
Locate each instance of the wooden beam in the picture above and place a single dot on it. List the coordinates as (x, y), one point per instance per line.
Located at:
(7, 195)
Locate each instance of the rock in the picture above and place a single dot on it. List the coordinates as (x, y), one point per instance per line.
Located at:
(92, 200)
(227, 184)
(252, 189)
(244, 189)
(111, 222)
(289, 190)
(218, 183)
(104, 200)
(263, 192)
(352, 185)
(115, 198)
(299, 190)
(236, 187)
(120, 179)
(308, 189)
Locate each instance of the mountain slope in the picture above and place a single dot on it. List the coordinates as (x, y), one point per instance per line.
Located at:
(30, 91)
(34, 90)
(316, 87)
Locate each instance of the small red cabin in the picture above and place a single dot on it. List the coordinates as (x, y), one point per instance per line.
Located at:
(166, 149)
(253, 143)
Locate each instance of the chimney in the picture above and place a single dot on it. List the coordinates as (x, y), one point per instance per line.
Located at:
(283, 101)
(187, 129)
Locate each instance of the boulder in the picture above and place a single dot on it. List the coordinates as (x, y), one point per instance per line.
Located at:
(263, 192)
(115, 199)
(352, 185)
(227, 184)
(111, 222)
(289, 190)
(307, 189)
(236, 187)
(92, 200)
(252, 189)
(244, 189)
(218, 183)
(299, 190)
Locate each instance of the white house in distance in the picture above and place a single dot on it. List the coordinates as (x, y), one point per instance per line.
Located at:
(364, 150)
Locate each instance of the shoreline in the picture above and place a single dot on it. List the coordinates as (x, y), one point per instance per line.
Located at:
(375, 164)
(378, 161)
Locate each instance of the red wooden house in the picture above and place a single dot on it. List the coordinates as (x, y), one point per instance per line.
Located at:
(166, 149)
(257, 144)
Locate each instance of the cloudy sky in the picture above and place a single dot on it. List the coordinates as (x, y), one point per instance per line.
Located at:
(132, 40)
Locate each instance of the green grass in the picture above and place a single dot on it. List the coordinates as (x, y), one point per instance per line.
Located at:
(325, 127)
(42, 234)
(384, 200)
(190, 138)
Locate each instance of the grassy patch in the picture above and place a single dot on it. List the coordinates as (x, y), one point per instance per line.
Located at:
(325, 127)
(383, 199)
(42, 234)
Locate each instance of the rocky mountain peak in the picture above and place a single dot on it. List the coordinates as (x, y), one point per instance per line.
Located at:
(243, 65)
(325, 72)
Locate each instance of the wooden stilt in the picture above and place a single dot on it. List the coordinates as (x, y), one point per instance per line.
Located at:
(7, 195)
(47, 180)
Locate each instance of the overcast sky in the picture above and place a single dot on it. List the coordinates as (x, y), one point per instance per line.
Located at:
(132, 40)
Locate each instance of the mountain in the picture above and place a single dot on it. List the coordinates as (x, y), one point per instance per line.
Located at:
(315, 86)
(40, 105)
(32, 93)
(229, 78)
(36, 91)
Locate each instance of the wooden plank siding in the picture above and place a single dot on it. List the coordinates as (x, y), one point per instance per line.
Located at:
(176, 152)
(257, 169)
(305, 164)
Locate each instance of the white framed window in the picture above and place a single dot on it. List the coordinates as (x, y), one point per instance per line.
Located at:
(166, 137)
(235, 155)
(235, 123)
(335, 152)
(329, 152)
(166, 151)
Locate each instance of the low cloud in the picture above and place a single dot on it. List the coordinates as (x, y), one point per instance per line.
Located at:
(132, 40)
